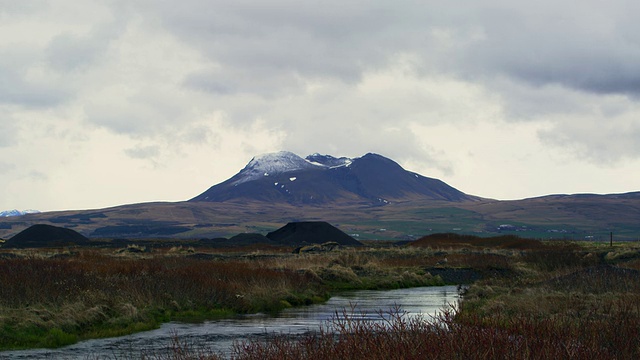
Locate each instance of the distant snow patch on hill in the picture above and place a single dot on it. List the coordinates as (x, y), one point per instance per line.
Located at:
(14, 212)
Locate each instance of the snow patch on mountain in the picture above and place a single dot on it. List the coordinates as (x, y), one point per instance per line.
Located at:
(328, 160)
(273, 164)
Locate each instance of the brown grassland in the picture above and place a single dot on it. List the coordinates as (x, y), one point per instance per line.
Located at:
(525, 300)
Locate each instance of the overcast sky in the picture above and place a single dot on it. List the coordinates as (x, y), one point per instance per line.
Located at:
(105, 103)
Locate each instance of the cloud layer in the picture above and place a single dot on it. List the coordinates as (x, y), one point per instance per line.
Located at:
(117, 94)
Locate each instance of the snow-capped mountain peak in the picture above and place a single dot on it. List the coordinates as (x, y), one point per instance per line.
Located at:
(273, 163)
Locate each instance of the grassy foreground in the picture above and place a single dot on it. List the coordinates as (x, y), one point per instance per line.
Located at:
(528, 300)
(536, 301)
(55, 298)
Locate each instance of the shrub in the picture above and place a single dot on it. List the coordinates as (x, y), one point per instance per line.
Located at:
(396, 336)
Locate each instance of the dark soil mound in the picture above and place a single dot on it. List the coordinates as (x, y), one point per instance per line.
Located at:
(311, 232)
(41, 235)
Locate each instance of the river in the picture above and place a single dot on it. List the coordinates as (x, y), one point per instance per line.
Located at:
(219, 335)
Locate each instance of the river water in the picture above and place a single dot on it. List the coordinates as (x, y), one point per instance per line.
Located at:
(219, 335)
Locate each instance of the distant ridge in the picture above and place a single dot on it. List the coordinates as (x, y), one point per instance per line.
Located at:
(324, 179)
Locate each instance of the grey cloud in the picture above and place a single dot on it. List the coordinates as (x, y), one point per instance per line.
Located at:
(544, 59)
(36, 73)
(210, 82)
(6, 167)
(596, 141)
(18, 8)
(132, 119)
(8, 131)
(143, 152)
(537, 56)
(593, 47)
(37, 176)
(116, 120)
(522, 101)
(597, 71)
(68, 52)
(16, 88)
(197, 134)
(230, 82)
(278, 42)
(147, 111)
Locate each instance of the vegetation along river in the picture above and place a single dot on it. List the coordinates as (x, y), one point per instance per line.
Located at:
(219, 335)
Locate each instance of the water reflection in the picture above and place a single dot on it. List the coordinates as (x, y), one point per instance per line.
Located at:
(219, 335)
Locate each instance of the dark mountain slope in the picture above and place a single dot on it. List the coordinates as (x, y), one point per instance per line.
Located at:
(379, 177)
(311, 186)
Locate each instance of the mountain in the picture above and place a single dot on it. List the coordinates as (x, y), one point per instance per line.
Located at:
(369, 197)
(285, 177)
(15, 212)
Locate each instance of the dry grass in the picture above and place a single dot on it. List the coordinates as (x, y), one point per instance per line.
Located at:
(542, 300)
(101, 292)
(96, 293)
(396, 336)
(560, 301)
(459, 241)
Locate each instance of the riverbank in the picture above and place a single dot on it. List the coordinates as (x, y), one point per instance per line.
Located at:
(52, 298)
(217, 337)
